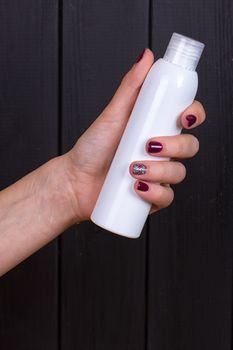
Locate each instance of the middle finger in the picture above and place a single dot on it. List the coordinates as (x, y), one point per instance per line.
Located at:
(178, 146)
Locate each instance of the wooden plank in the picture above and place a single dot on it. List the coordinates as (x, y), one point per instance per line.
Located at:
(103, 275)
(190, 243)
(28, 137)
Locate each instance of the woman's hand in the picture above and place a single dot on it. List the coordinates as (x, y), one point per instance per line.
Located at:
(89, 160)
(63, 191)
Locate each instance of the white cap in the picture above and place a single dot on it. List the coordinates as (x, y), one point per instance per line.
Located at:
(184, 51)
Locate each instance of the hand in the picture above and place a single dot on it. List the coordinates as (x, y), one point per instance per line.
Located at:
(89, 160)
(63, 191)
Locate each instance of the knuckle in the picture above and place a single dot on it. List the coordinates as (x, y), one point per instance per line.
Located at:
(163, 197)
(159, 193)
(180, 147)
(195, 144)
(171, 197)
(202, 110)
(160, 172)
(188, 145)
(182, 171)
(203, 114)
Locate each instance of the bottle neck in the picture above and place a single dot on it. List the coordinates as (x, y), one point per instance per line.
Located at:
(184, 51)
(179, 61)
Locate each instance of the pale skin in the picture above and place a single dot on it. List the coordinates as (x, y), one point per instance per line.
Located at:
(63, 191)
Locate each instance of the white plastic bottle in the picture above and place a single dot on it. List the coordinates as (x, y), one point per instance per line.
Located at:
(169, 88)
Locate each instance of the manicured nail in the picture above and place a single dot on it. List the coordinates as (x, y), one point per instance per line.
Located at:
(142, 186)
(141, 55)
(154, 147)
(139, 169)
(191, 119)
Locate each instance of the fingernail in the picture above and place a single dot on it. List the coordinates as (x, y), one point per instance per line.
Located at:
(139, 169)
(154, 147)
(142, 186)
(140, 56)
(191, 119)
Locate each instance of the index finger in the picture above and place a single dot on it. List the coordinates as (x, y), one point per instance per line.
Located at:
(193, 116)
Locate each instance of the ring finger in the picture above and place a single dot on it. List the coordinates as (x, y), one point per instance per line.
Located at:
(158, 171)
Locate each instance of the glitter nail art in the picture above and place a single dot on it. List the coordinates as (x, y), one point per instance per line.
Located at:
(139, 169)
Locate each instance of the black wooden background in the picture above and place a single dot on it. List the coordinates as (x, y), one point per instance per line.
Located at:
(60, 63)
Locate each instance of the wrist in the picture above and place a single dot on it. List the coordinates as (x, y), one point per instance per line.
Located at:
(55, 190)
(34, 211)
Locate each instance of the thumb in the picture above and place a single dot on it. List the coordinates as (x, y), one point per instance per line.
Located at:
(124, 99)
(102, 137)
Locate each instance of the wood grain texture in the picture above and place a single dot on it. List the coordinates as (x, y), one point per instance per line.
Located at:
(103, 275)
(170, 289)
(190, 243)
(28, 137)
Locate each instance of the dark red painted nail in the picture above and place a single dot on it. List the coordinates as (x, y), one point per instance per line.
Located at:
(191, 119)
(142, 186)
(141, 55)
(154, 147)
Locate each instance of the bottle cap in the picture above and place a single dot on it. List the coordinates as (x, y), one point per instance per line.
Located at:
(184, 51)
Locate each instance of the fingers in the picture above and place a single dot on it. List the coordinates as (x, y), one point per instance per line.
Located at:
(178, 146)
(158, 171)
(156, 194)
(153, 179)
(123, 101)
(193, 116)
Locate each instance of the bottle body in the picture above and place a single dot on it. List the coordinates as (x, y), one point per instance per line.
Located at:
(167, 91)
